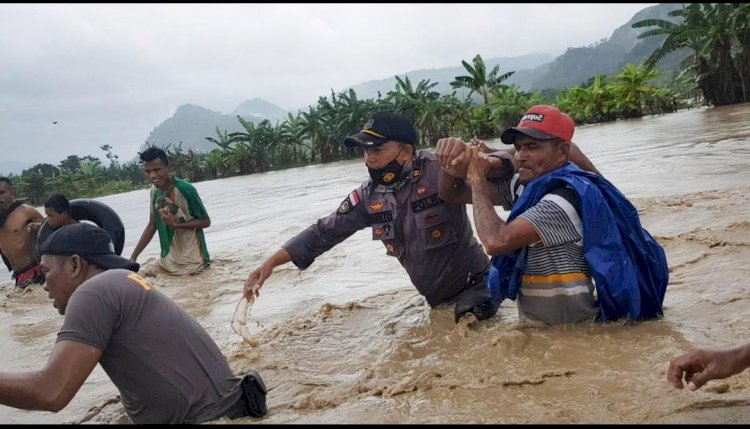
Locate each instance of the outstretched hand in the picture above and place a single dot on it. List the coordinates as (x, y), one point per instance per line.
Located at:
(699, 366)
(255, 281)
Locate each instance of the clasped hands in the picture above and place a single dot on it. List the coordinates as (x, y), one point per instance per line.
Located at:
(464, 160)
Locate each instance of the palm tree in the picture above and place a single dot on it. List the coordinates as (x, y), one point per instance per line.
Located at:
(88, 177)
(264, 145)
(739, 21)
(223, 140)
(242, 154)
(412, 101)
(292, 134)
(711, 31)
(631, 90)
(509, 104)
(478, 80)
(176, 158)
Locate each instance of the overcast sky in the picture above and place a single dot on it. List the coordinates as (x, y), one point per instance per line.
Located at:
(111, 73)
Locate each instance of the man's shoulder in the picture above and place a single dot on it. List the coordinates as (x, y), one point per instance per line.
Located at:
(182, 182)
(426, 154)
(26, 209)
(184, 185)
(22, 213)
(108, 277)
(424, 159)
(425, 162)
(567, 193)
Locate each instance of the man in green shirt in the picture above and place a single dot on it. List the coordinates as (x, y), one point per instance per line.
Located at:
(177, 212)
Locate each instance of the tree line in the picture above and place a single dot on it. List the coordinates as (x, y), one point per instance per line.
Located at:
(716, 72)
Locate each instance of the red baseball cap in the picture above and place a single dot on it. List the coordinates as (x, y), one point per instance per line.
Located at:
(542, 122)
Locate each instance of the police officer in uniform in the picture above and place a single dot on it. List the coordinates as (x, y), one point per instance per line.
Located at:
(432, 239)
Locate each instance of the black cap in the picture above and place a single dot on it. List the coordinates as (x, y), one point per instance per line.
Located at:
(384, 127)
(89, 242)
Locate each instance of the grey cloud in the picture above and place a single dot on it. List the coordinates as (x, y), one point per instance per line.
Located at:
(110, 73)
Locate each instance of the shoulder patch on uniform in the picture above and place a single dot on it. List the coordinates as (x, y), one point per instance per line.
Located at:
(349, 203)
(354, 198)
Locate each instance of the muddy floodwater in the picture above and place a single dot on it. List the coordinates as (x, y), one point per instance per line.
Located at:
(349, 340)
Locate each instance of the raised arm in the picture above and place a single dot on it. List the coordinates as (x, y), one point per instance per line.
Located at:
(496, 235)
(454, 161)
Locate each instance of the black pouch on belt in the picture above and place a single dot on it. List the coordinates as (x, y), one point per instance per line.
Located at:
(254, 394)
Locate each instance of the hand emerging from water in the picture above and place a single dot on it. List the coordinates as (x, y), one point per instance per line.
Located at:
(700, 366)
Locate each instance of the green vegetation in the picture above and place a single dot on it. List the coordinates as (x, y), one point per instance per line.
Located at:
(79, 177)
(718, 37)
(716, 72)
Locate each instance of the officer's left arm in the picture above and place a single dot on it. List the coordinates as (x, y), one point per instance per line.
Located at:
(51, 388)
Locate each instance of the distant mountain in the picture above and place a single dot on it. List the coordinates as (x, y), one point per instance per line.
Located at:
(444, 76)
(191, 124)
(577, 65)
(260, 108)
(541, 71)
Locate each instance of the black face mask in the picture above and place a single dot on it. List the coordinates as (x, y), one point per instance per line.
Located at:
(393, 175)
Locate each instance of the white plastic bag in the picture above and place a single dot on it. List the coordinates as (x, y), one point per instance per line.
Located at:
(239, 320)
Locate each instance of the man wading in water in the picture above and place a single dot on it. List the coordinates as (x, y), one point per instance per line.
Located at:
(16, 237)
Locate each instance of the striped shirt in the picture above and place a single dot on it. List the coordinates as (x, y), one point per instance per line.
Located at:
(556, 287)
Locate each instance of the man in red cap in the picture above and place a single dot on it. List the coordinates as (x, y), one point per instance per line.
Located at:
(570, 232)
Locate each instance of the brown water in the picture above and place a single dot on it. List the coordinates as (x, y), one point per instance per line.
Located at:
(350, 341)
